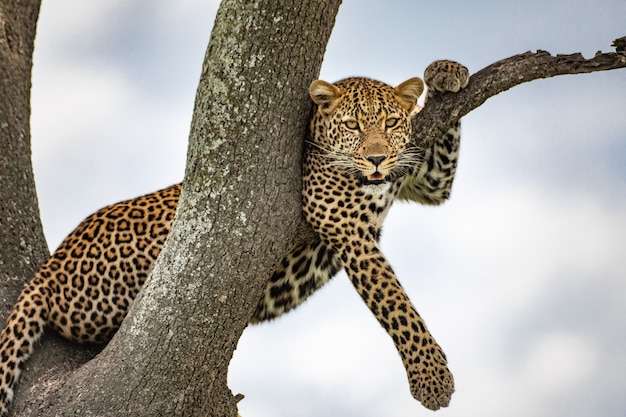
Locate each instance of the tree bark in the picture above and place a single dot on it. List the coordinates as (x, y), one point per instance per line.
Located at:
(238, 216)
(21, 234)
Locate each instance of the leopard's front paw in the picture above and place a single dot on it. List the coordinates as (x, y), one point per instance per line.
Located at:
(446, 76)
(432, 383)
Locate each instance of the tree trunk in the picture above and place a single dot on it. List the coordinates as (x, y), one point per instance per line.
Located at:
(21, 234)
(238, 215)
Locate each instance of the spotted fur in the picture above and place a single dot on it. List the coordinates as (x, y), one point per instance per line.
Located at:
(358, 161)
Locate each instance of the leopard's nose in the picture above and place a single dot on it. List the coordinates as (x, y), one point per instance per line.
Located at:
(376, 159)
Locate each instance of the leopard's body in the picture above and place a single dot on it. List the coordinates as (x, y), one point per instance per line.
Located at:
(358, 161)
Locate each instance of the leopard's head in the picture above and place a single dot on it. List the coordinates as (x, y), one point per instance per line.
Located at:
(364, 126)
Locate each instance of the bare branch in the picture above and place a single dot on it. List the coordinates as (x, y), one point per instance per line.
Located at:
(500, 76)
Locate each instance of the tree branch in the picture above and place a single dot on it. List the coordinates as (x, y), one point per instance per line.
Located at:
(443, 109)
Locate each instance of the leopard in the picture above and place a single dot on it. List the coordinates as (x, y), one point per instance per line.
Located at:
(359, 158)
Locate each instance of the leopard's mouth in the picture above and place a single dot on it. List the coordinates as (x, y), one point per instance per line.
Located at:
(374, 179)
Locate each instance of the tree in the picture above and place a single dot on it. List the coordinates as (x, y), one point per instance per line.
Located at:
(211, 199)
(248, 56)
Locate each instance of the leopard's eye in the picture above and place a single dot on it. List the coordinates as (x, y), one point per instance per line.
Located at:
(391, 122)
(351, 124)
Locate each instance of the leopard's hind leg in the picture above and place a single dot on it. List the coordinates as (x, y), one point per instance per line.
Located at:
(301, 272)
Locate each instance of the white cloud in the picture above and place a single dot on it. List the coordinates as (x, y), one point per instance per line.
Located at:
(68, 21)
(69, 101)
(558, 363)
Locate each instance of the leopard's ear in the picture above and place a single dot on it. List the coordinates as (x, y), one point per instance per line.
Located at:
(409, 91)
(325, 95)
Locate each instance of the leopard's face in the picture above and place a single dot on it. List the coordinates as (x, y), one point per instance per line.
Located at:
(363, 126)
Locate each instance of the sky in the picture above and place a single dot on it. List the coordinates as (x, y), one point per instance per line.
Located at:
(521, 276)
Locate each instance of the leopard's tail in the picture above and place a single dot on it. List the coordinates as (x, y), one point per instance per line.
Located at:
(24, 327)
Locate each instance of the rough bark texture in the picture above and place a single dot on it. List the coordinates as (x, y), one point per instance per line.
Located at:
(500, 76)
(21, 235)
(238, 215)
